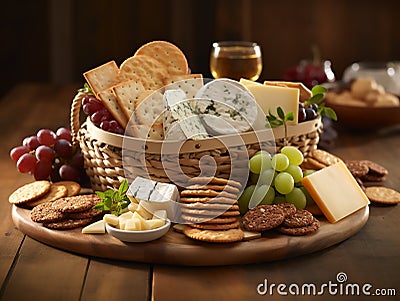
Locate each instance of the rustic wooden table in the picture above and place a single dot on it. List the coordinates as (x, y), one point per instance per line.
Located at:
(30, 270)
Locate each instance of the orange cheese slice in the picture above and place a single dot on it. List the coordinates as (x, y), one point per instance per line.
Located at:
(335, 191)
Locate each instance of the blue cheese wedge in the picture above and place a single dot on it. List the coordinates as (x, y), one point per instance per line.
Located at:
(154, 196)
(226, 107)
(180, 120)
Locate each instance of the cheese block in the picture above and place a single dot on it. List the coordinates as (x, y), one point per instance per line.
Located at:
(269, 98)
(95, 228)
(226, 107)
(153, 196)
(180, 120)
(335, 191)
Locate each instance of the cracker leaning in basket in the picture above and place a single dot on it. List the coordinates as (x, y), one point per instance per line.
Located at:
(122, 92)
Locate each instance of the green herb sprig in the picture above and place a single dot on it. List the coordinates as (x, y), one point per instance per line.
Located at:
(318, 94)
(86, 89)
(114, 201)
(280, 119)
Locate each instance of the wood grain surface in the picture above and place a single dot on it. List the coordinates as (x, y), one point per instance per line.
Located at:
(175, 248)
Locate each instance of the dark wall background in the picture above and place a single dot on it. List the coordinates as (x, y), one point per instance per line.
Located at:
(57, 40)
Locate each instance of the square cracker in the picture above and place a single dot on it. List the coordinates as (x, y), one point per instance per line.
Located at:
(127, 94)
(109, 100)
(149, 108)
(102, 77)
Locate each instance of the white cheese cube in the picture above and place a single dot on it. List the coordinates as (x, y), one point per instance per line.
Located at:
(133, 224)
(111, 219)
(153, 224)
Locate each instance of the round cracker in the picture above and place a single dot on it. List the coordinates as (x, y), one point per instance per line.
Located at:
(146, 70)
(375, 168)
(214, 180)
(56, 192)
(208, 200)
(227, 188)
(263, 218)
(325, 157)
(207, 220)
(207, 193)
(76, 203)
(382, 195)
(68, 224)
(313, 227)
(45, 213)
(300, 218)
(234, 225)
(73, 188)
(209, 213)
(167, 54)
(216, 236)
(209, 206)
(357, 168)
(29, 192)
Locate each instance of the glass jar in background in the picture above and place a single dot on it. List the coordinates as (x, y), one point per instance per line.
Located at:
(385, 74)
(236, 60)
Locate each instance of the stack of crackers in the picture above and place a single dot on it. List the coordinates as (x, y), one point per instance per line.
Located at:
(285, 218)
(366, 172)
(210, 210)
(68, 212)
(123, 89)
(38, 192)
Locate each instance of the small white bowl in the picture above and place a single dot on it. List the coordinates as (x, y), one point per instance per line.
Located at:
(138, 236)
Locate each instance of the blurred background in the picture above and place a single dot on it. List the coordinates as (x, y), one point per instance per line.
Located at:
(57, 40)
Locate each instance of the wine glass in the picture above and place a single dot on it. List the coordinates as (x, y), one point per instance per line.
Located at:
(236, 60)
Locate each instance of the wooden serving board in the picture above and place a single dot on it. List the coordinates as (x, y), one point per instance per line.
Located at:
(174, 248)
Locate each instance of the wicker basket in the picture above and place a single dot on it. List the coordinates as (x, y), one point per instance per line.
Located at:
(104, 163)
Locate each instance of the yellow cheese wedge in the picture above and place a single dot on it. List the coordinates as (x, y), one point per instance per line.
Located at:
(335, 191)
(271, 97)
(95, 228)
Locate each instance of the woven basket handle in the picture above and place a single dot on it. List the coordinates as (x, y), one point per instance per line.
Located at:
(75, 110)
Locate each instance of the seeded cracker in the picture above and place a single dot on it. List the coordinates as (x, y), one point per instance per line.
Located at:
(300, 218)
(45, 213)
(234, 225)
(29, 192)
(68, 224)
(77, 203)
(263, 218)
(313, 227)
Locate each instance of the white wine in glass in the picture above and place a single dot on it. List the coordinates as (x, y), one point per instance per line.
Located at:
(236, 60)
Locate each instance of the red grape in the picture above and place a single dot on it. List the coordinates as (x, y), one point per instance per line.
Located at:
(31, 142)
(46, 137)
(64, 133)
(92, 105)
(18, 151)
(99, 116)
(105, 125)
(26, 163)
(77, 160)
(42, 170)
(63, 148)
(69, 173)
(45, 153)
(85, 100)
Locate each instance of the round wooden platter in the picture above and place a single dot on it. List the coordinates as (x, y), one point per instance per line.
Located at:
(174, 248)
